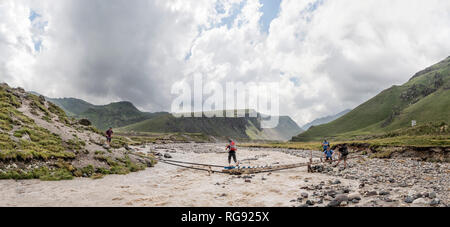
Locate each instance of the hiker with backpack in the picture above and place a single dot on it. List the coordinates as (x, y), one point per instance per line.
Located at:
(232, 148)
(343, 155)
(325, 145)
(328, 153)
(109, 135)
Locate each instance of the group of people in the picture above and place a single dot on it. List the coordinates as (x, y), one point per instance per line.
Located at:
(327, 150)
(232, 149)
(329, 153)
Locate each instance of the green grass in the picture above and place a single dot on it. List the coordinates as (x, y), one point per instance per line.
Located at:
(400, 141)
(425, 98)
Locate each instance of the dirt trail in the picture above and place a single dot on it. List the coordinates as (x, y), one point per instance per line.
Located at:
(166, 185)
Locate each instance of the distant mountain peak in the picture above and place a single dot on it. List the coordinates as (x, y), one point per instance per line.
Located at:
(325, 120)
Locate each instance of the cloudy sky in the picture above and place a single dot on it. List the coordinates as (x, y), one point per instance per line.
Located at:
(328, 55)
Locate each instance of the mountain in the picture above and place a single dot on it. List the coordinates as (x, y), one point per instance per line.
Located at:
(425, 98)
(325, 120)
(114, 115)
(240, 128)
(127, 117)
(39, 141)
(72, 106)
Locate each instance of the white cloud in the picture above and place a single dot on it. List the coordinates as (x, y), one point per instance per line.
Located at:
(327, 55)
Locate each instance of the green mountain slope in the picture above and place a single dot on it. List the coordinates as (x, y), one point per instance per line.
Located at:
(39, 141)
(243, 128)
(425, 98)
(71, 106)
(127, 117)
(113, 115)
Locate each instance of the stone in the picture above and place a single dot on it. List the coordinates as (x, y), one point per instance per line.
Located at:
(419, 201)
(85, 122)
(371, 193)
(354, 196)
(332, 193)
(435, 202)
(167, 156)
(384, 193)
(310, 203)
(432, 195)
(341, 198)
(355, 201)
(409, 199)
(305, 195)
(334, 203)
(336, 182)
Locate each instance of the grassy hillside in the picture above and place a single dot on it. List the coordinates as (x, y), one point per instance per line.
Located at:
(244, 128)
(39, 141)
(425, 98)
(114, 115)
(71, 106)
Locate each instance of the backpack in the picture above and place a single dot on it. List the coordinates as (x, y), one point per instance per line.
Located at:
(343, 150)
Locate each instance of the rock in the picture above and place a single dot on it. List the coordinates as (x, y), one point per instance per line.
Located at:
(355, 201)
(318, 201)
(371, 193)
(310, 203)
(167, 156)
(418, 195)
(305, 195)
(354, 196)
(432, 195)
(344, 203)
(384, 193)
(332, 193)
(435, 202)
(419, 201)
(334, 203)
(248, 181)
(85, 122)
(409, 199)
(336, 182)
(362, 185)
(341, 198)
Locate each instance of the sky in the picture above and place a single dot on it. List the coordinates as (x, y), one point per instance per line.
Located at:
(327, 55)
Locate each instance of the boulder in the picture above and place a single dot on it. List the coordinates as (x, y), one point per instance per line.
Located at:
(409, 199)
(419, 201)
(167, 156)
(435, 202)
(85, 122)
(341, 198)
(334, 203)
(354, 196)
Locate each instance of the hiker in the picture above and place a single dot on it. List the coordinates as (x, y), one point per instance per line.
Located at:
(232, 148)
(325, 145)
(328, 155)
(343, 155)
(109, 135)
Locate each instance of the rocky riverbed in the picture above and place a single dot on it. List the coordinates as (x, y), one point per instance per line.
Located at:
(366, 182)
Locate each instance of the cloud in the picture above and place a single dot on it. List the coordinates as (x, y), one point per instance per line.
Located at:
(327, 55)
